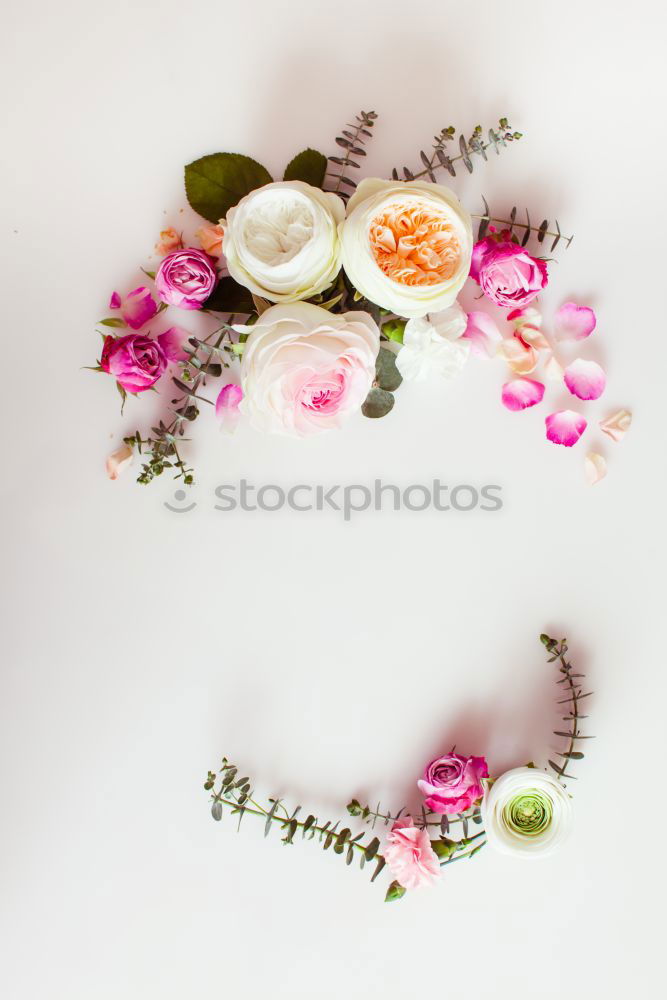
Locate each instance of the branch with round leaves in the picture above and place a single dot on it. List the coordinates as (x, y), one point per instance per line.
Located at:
(571, 681)
(474, 145)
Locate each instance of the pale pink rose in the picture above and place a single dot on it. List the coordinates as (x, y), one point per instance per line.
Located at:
(227, 407)
(409, 855)
(452, 783)
(169, 240)
(506, 272)
(210, 238)
(136, 308)
(119, 460)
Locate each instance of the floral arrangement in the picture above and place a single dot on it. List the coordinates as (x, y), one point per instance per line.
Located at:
(325, 295)
(526, 812)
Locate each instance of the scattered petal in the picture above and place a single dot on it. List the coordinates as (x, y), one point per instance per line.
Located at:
(533, 337)
(565, 427)
(138, 307)
(114, 301)
(617, 425)
(483, 334)
(595, 468)
(520, 357)
(173, 342)
(227, 407)
(522, 393)
(521, 317)
(574, 322)
(553, 370)
(119, 460)
(585, 379)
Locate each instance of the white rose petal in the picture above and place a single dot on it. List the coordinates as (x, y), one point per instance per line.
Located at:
(281, 241)
(434, 345)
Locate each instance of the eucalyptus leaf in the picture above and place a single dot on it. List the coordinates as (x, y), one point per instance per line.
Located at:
(387, 374)
(216, 811)
(308, 166)
(378, 403)
(215, 183)
(230, 297)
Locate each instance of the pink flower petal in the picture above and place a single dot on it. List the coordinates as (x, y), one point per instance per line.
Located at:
(227, 406)
(565, 427)
(585, 379)
(119, 460)
(530, 315)
(595, 468)
(114, 301)
(520, 357)
(574, 322)
(617, 424)
(483, 334)
(522, 393)
(173, 342)
(138, 307)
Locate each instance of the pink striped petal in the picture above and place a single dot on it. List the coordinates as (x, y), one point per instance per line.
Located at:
(114, 301)
(595, 468)
(483, 334)
(585, 379)
(617, 424)
(227, 406)
(173, 342)
(565, 427)
(138, 307)
(574, 322)
(522, 393)
(530, 315)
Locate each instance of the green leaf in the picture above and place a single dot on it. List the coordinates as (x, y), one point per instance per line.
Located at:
(123, 395)
(113, 321)
(395, 891)
(216, 811)
(308, 166)
(378, 403)
(444, 848)
(394, 329)
(387, 374)
(230, 297)
(372, 849)
(215, 183)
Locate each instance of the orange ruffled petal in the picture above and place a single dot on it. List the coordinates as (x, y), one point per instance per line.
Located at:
(414, 245)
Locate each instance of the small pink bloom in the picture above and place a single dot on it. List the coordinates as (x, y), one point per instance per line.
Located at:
(173, 342)
(210, 238)
(522, 393)
(227, 406)
(169, 240)
(136, 308)
(574, 322)
(409, 855)
(521, 358)
(565, 427)
(186, 278)
(135, 361)
(585, 379)
(483, 334)
(595, 468)
(616, 426)
(452, 783)
(506, 272)
(119, 460)
(114, 301)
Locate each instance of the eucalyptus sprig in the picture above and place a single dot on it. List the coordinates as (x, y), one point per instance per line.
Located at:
(528, 228)
(474, 145)
(352, 142)
(575, 695)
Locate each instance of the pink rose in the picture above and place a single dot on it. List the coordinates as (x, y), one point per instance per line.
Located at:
(506, 273)
(409, 855)
(135, 361)
(136, 308)
(453, 783)
(186, 278)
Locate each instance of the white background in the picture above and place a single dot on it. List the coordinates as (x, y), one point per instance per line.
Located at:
(328, 659)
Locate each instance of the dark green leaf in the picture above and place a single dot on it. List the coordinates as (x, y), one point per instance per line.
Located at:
(216, 811)
(387, 374)
(308, 166)
(230, 297)
(444, 848)
(378, 868)
(395, 891)
(372, 849)
(215, 183)
(378, 403)
(113, 322)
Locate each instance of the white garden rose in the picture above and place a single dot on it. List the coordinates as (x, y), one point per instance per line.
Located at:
(407, 246)
(281, 241)
(304, 369)
(527, 813)
(434, 345)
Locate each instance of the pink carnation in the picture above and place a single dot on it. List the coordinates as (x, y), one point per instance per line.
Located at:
(409, 855)
(506, 272)
(453, 783)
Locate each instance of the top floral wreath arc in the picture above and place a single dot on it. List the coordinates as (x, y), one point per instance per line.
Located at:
(330, 294)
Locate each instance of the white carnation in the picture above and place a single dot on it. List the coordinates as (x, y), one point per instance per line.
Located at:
(434, 345)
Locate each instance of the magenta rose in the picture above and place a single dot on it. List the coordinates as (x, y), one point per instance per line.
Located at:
(453, 783)
(186, 278)
(135, 361)
(506, 273)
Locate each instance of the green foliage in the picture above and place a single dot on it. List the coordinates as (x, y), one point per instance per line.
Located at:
(215, 183)
(308, 166)
(230, 297)
(378, 403)
(113, 321)
(351, 143)
(527, 227)
(387, 375)
(475, 144)
(394, 329)
(575, 695)
(395, 891)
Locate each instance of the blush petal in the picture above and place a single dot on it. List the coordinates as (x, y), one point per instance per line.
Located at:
(595, 468)
(173, 342)
(522, 393)
(483, 334)
(585, 379)
(114, 301)
(616, 426)
(574, 322)
(227, 406)
(138, 307)
(565, 427)
(521, 358)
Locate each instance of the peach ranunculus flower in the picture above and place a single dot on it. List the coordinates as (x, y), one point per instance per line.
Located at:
(406, 246)
(409, 855)
(169, 240)
(210, 238)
